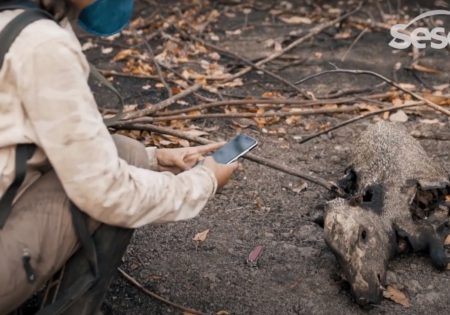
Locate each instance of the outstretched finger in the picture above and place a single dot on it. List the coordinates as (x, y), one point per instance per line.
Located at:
(203, 149)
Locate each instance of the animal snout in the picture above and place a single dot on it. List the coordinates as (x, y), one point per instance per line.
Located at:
(372, 294)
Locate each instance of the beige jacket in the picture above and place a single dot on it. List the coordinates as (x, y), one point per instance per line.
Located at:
(45, 99)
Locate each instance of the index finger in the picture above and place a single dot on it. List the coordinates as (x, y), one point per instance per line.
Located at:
(209, 147)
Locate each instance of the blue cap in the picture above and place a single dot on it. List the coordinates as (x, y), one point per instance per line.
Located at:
(106, 17)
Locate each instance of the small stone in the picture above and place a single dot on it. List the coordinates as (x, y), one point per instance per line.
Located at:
(391, 278)
(414, 286)
(399, 116)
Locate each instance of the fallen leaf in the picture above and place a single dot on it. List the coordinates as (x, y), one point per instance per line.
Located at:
(448, 266)
(201, 237)
(243, 122)
(429, 121)
(447, 240)
(396, 296)
(222, 313)
(295, 20)
(254, 255)
(195, 133)
(125, 53)
(343, 35)
(107, 50)
(299, 187)
(236, 32)
(88, 45)
(407, 86)
(441, 87)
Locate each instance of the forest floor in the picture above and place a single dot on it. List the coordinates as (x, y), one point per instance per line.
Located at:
(296, 272)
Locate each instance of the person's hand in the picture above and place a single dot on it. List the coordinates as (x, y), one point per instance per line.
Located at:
(182, 159)
(222, 172)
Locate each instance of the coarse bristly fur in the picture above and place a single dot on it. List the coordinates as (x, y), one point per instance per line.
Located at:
(397, 193)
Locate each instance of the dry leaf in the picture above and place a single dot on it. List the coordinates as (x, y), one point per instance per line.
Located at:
(407, 86)
(343, 35)
(107, 50)
(447, 240)
(201, 237)
(396, 296)
(295, 20)
(125, 53)
(222, 313)
(195, 133)
(441, 87)
(254, 255)
(448, 266)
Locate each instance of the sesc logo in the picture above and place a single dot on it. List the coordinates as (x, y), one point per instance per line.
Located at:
(421, 36)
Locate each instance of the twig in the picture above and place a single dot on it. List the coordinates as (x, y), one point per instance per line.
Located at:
(329, 185)
(347, 122)
(313, 32)
(158, 68)
(381, 77)
(364, 31)
(278, 101)
(127, 75)
(136, 283)
(355, 91)
(306, 112)
(157, 107)
(246, 61)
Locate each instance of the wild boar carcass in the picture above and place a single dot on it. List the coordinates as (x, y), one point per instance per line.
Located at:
(397, 193)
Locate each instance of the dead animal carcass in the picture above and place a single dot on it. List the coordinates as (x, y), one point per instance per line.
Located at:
(397, 194)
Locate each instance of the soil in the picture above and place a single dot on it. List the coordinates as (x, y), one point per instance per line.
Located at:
(297, 273)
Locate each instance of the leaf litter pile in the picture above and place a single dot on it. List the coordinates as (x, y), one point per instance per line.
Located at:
(197, 68)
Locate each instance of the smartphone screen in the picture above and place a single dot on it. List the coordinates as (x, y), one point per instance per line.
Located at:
(234, 149)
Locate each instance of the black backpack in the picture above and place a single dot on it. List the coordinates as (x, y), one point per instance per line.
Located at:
(24, 152)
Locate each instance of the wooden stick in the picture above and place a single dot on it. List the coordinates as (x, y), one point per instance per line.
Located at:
(127, 75)
(347, 122)
(138, 285)
(278, 101)
(306, 112)
(313, 32)
(158, 68)
(160, 106)
(329, 185)
(381, 77)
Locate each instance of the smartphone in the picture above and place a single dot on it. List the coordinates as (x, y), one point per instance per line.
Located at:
(233, 150)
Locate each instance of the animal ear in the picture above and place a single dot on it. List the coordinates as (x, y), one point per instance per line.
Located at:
(349, 182)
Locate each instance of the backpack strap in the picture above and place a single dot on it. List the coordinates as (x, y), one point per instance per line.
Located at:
(23, 151)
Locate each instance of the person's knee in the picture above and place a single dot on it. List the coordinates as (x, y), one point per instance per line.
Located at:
(131, 151)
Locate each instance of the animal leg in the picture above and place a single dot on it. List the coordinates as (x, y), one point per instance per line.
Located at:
(423, 237)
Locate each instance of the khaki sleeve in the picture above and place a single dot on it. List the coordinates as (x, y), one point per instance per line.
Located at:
(63, 114)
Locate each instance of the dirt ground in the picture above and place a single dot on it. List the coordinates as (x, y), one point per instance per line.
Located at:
(297, 273)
